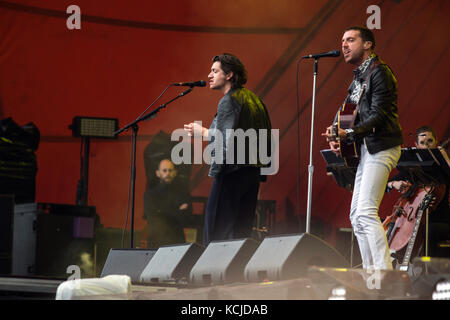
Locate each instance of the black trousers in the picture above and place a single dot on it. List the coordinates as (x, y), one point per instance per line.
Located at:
(230, 211)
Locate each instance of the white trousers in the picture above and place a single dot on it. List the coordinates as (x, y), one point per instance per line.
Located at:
(370, 185)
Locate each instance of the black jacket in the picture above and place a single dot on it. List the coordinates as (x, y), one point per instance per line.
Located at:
(377, 122)
(240, 108)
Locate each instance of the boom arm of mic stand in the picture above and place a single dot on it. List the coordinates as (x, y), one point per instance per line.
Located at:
(151, 113)
(133, 150)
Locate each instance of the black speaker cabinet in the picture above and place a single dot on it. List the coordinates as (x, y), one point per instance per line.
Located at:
(288, 257)
(6, 232)
(223, 262)
(60, 244)
(25, 234)
(172, 263)
(129, 262)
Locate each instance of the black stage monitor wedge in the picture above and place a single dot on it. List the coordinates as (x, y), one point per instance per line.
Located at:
(129, 262)
(223, 262)
(288, 257)
(171, 263)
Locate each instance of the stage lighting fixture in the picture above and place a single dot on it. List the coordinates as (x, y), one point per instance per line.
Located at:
(87, 128)
(94, 127)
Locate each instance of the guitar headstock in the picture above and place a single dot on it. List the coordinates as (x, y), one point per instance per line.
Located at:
(427, 201)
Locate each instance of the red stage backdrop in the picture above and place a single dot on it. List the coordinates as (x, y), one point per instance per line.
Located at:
(127, 52)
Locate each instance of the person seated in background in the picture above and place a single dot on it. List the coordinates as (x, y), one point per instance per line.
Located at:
(166, 205)
(439, 218)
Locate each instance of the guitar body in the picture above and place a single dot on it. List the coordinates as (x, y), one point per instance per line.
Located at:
(405, 212)
(346, 120)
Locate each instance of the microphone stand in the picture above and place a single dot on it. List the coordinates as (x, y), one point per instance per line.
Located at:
(311, 166)
(135, 128)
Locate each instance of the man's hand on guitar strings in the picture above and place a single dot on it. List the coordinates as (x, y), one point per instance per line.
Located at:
(328, 134)
(334, 146)
(332, 136)
(332, 141)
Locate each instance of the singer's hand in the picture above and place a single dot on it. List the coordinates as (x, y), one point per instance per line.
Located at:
(330, 137)
(328, 134)
(196, 130)
(334, 146)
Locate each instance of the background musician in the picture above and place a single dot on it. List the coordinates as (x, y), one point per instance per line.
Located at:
(166, 207)
(439, 218)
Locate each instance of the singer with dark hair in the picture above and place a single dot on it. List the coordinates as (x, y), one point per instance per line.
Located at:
(365, 34)
(230, 63)
(377, 136)
(231, 206)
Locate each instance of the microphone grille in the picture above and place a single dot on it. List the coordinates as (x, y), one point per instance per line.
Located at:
(336, 53)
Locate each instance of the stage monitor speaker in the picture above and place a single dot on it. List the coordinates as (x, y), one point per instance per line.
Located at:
(223, 262)
(288, 257)
(171, 263)
(130, 262)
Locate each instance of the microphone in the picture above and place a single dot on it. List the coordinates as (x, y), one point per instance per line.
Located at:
(334, 53)
(200, 83)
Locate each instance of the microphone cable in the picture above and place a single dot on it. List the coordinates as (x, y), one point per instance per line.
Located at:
(159, 97)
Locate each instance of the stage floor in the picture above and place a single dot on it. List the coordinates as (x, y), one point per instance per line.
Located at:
(319, 284)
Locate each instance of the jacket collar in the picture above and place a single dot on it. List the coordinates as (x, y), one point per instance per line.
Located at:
(361, 70)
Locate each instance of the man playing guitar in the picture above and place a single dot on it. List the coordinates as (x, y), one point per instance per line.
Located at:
(378, 137)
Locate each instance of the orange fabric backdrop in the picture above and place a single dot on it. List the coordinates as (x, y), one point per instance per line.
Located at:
(127, 52)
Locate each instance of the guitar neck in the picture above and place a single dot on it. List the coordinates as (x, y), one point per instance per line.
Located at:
(411, 242)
